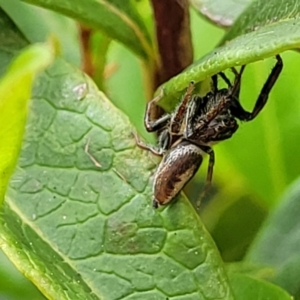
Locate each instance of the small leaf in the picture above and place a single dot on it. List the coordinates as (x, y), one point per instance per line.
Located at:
(15, 89)
(118, 19)
(221, 12)
(247, 288)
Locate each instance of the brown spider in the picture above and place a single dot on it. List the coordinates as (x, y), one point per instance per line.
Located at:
(196, 124)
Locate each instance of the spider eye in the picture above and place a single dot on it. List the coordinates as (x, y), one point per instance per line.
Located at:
(226, 121)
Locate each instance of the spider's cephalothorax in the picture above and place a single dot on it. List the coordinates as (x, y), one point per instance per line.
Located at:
(195, 125)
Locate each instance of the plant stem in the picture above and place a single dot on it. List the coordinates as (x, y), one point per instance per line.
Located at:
(173, 37)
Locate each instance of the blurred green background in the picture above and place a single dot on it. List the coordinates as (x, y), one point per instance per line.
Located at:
(252, 169)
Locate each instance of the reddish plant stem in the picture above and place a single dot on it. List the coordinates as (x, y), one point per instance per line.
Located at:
(87, 64)
(173, 37)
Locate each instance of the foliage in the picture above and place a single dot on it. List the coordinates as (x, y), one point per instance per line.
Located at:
(77, 218)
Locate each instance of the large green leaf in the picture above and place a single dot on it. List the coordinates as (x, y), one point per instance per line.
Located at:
(81, 229)
(118, 19)
(268, 39)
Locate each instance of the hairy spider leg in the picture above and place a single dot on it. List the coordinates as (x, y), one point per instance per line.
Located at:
(154, 125)
(239, 112)
(223, 102)
(234, 71)
(190, 115)
(180, 113)
(209, 174)
(235, 88)
(225, 78)
(214, 79)
(164, 139)
(215, 85)
(143, 145)
(215, 82)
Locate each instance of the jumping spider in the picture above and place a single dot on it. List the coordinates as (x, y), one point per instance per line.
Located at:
(196, 124)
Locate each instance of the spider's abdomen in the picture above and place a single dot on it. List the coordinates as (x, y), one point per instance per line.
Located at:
(176, 169)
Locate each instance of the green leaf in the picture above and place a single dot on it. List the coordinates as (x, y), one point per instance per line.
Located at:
(78, 219)
(42, 24)
(233, 223)
(118, 19)
(262, 13)
(127, 92)
(247, 288)
(269, 39)
(15, 89)
(11, 43)
(93, 228)
(280, 232)
(13, 283)
(288, 277)
(278, 242)
(221, 12)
